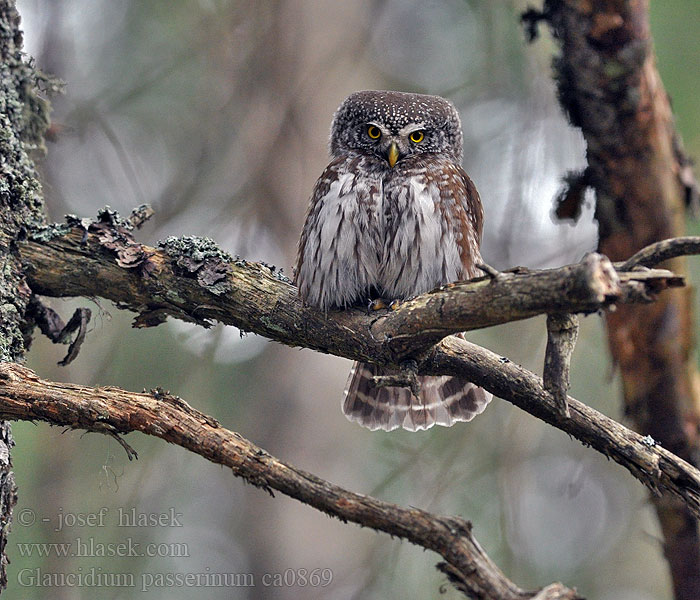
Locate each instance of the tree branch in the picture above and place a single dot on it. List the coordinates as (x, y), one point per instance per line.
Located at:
(27, 397)
(191, 279)
(562, 333)
(656, 467)
(656, 253)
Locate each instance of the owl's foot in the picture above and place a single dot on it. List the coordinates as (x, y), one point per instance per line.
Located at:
(406, 377)
(375, 305)
(380, 303)
(491, 273)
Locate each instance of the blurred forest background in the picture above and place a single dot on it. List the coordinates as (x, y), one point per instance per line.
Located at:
(217, 113)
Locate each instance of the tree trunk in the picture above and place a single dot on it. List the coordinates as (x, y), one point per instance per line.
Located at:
(609, 86)
(23, 118)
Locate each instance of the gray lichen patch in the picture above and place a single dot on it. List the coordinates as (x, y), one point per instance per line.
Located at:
(23, 119)
(202, 259)
(277, 273)
(197, 248)
(273, 325)
(111, 217)
(46, 233)
(105, 217)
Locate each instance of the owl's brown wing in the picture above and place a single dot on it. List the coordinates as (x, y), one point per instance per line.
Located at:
(442, 401)
(462, 210)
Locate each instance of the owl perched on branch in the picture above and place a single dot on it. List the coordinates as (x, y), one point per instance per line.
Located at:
(393, 215)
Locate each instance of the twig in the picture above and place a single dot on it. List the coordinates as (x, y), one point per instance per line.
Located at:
(654, 254)
(562, 333)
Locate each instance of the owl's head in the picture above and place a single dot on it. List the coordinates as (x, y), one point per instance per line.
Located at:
(395, 125)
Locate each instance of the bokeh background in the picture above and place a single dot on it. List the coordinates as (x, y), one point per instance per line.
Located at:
(217, 113)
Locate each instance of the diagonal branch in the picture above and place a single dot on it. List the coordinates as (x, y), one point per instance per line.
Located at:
(25, 396)
(653, 465)
(192, 279)
(656, 253)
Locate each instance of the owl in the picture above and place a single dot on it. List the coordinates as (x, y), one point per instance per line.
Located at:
(392, 216)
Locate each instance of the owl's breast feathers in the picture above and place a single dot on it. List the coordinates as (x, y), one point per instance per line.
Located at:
(433, 227)
(401, 231)
(340, 248)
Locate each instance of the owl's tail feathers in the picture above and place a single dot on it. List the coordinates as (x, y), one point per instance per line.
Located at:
(443, 401)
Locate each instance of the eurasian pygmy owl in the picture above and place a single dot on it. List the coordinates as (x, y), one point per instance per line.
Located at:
(393, 215)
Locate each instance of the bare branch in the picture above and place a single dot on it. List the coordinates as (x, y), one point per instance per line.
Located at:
(191, 279)
(110, 410)
(661, 251)
(562, 333)
(656, 467)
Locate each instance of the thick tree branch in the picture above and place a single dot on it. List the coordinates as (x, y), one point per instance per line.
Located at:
(24, 396)
(191, 279)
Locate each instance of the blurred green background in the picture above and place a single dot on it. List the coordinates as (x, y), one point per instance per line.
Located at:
(217, 113)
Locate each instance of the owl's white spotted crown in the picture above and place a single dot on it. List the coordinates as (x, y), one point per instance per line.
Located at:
(395, 111)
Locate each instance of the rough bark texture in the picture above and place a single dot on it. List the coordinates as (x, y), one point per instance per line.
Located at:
(562, 333)
(610, 88)
(23, 118)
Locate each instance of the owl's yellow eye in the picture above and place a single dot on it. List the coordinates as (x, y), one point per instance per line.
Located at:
(416, 137)
(374, 132)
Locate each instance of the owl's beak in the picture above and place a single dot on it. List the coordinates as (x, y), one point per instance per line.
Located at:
(393, 154)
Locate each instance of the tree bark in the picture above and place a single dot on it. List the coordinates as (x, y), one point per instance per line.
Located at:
(23, 119)
(610, 88)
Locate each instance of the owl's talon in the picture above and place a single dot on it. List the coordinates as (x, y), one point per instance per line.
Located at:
(377, 304)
